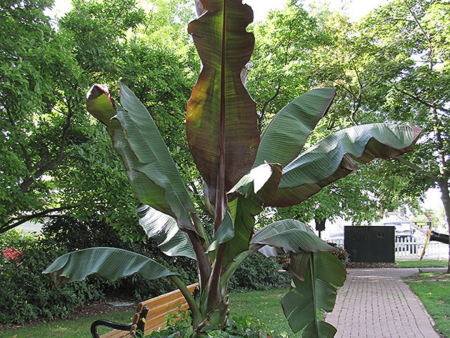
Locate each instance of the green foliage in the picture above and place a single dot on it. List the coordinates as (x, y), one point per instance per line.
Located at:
(259, 273)
(167, 23)
(44, 75)
(245, 327)
(26, 294)
(99, 33)
(284, 42)
(34, 61)
(315, 289)
(416, 49)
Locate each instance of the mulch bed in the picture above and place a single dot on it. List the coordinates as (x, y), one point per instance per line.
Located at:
(353, 265)
(90, 310)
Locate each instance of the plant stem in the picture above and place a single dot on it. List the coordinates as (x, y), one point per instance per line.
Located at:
(196, 314)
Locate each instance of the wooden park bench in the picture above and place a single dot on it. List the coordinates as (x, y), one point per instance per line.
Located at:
(150, 316)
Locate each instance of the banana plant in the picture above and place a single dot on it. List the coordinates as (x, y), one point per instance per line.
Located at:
(243, 172)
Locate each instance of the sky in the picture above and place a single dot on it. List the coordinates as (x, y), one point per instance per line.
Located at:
(355, 10)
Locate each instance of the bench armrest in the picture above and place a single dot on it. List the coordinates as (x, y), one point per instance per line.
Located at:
(137, 328)
(107, 323)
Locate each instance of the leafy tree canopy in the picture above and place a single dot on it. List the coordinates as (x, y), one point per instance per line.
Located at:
(45, 73)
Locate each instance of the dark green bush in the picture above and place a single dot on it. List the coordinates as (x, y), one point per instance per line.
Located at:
(26, 294)
(259, 273)
(244, 327)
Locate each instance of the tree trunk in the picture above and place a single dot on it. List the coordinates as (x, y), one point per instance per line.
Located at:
(443, 171)
(446, 201)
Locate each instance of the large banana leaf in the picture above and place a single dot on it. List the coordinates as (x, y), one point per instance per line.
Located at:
(151, 171)
(333, 158)
(322, 275)
(288, 131)
(221, 122)
(290, 235)
(164, 229)
(109, 263)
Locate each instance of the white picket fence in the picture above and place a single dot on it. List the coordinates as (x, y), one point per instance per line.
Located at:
(411, 248)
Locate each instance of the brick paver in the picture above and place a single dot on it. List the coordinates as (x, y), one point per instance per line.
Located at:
(376, 303)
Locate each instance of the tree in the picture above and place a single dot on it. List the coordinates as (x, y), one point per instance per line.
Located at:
(283, 45)
(167, 23)
(42, 89)
(414, 38)
(242, 173)
(298, 50)
(35, 62)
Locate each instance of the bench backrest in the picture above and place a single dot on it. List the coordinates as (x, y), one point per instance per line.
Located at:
(160, 306)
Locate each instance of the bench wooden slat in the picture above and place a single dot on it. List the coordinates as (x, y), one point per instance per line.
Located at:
(164, 299)
(165, 307)
(159, 320)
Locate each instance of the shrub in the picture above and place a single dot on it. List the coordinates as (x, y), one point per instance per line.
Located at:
(25, 293)
(259, 273)
(340, 253)
(237, 327)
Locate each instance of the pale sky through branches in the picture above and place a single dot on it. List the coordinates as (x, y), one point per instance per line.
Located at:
(355, 9)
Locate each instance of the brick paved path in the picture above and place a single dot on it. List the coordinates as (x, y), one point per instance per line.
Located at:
(375, 303)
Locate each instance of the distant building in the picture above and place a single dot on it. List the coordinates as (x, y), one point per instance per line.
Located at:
(403, 228)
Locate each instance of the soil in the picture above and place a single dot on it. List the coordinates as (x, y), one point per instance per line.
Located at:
(92, 309)
(353, 265)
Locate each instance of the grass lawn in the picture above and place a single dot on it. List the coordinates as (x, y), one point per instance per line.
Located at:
(426, 263)
(433, 290)
(68, 328)
(264, 305)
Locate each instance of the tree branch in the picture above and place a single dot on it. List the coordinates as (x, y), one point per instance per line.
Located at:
(416, 168)
(420, 100)
(263, 110)
(14, 222)
(61, 155)
(430, 45)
